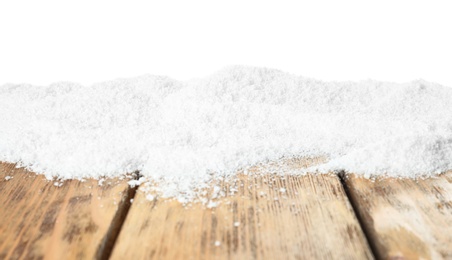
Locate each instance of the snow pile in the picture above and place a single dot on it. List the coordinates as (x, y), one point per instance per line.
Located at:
(410, 156)
(180, 133)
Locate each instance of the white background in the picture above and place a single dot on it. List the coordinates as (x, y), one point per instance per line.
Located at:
(87, 41)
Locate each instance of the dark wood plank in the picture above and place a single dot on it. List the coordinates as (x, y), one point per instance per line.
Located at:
(405, 218)
(41, 220)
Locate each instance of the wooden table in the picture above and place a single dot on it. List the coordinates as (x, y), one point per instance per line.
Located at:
(262, 216)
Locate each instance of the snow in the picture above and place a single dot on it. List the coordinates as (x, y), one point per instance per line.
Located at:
(182, 133)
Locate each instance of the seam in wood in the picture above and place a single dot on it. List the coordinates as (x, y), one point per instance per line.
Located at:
(354, 203)
(108, 242)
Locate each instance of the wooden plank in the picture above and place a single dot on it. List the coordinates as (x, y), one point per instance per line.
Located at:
(41, 220)
(405, 218)
(270, 217)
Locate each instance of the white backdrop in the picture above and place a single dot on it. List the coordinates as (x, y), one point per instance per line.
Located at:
(88, 41)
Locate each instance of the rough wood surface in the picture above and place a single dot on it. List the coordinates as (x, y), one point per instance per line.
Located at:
(40, 220)
(405, 218)
(269, 217)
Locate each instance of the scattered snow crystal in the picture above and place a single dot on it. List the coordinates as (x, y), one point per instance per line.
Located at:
(180, 133)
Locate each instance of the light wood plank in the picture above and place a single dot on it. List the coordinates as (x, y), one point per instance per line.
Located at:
(40, 220)
(270, 217)
(406, 218)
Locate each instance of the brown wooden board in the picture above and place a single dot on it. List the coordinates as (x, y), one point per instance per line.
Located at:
(270, 217)
(405, 218)
(41, 220)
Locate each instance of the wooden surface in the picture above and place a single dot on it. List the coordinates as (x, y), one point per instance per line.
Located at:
(264, 216)
(40, 220)
(270, 217)
(405, 218)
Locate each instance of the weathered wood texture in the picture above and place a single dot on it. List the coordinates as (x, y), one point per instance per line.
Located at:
(405, 218)
(40, 220)
(269, 217)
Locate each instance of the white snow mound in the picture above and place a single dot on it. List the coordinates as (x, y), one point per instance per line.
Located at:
(183, 131)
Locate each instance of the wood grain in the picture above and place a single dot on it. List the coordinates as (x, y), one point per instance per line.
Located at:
(40, 220)
(405, 218)
(269, 217)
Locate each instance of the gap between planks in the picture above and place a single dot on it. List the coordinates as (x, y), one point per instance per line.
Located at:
(342, 176)
(106, 246)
